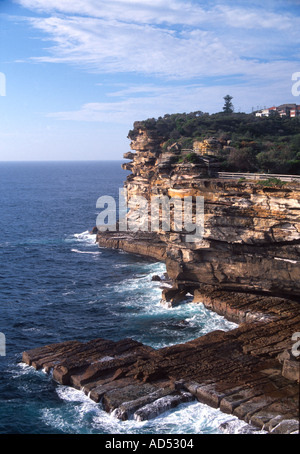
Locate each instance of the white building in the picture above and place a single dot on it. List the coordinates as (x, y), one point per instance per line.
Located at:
(289, 110)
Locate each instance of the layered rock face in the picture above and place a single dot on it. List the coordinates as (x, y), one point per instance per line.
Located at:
(251, 239)
(249, 372)
(246, 267)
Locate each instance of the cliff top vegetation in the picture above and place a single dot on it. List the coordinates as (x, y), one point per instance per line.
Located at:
(249, 143)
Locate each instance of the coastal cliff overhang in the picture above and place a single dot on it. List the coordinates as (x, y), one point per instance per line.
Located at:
(251, 231)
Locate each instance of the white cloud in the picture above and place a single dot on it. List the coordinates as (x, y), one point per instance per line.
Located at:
(149, 57)
(166, 38)
(155, 101)
(173, 12)
(110, 46)
(133, 11)
(172, 40)
(257, 19)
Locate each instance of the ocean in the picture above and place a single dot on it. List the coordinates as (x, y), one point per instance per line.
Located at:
(56, 284)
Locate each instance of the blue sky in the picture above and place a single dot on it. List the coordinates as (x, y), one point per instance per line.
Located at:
(79, 73)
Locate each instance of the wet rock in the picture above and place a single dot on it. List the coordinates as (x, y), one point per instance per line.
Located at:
(161, 405)
(286, 426)
(235, 427)
(117, 396)
(97, 391)
(248, 257)
(127, 409)
(171, 297)
(238, 371)
(155, 277)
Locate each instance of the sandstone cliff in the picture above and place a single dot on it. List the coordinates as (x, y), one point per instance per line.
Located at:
(251, 238)
(246, 267)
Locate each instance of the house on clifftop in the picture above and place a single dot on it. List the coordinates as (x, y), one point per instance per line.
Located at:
(284, 110)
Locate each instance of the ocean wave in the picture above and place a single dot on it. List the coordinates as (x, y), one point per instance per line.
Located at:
(24, 368)
(83, 237)
(86, 252)
(188, 418)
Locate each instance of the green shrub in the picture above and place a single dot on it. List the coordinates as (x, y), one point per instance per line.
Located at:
(271, 182)
(261, 144)
(190, 157)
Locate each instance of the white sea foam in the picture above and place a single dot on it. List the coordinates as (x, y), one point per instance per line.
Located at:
(139, 299)
(209, 319)
(286, 260)
(166, 284)
(86, 252)
(81, 414)
(69, 394)
(87, 238)
(24, 368)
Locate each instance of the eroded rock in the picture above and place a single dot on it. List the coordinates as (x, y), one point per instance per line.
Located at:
(239, 371)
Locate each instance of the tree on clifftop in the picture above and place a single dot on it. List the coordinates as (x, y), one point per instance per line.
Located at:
(228, 106)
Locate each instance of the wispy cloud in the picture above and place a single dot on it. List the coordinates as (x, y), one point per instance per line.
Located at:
(110, 46)
(250, 18)
(194, 13)
(169, 40)
(166, 38)
(116, 61)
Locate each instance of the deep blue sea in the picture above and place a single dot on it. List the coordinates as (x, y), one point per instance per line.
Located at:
(56, 284)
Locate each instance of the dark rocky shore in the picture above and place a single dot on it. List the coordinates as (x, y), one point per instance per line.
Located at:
(246, 268)
(248, 372)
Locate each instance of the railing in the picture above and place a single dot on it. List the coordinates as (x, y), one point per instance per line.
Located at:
(257, 176)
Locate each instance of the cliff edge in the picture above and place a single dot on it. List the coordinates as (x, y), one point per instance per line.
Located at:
(251, 238)
(244, 267)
